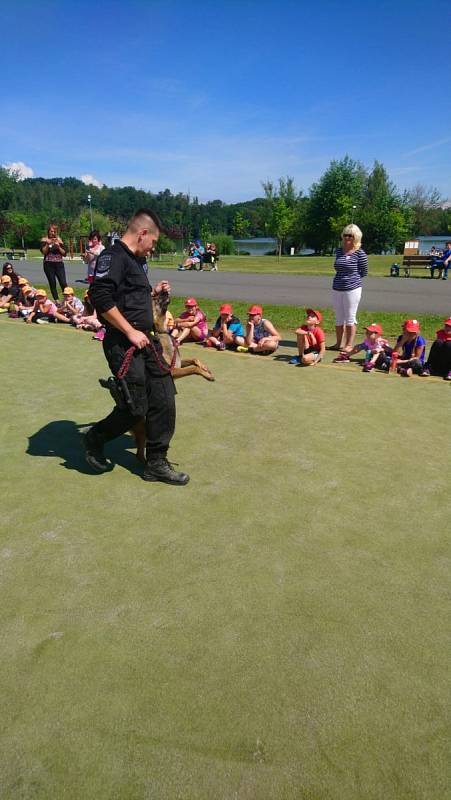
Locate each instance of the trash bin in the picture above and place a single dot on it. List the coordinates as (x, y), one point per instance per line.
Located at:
(394, 271)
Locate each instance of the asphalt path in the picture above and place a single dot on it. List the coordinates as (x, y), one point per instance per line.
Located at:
(412, 296)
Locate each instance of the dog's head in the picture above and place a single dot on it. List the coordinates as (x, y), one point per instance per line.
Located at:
(160, 303)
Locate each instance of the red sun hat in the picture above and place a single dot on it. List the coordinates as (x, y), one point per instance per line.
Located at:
(411, 326)
(374, 328)
(255, 310)
(311, 312)
(191, 301)
(226, 308)
(447, 322)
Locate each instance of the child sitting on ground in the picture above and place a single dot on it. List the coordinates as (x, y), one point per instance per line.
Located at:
(439, 360)
(311, 340)
(377, 349)
(26, 300)
(70, 305)
(411, 348)
(228, 330)
(87, 319)
(261, 336)
(191, 324)
(9, 293)
(44, 310)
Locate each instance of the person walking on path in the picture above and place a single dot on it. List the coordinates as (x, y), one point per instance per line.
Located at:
(351, 266)
(142, 384)
(53, 250)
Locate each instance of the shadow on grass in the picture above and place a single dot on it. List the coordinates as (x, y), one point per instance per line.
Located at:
(283, 357)
(62, 439)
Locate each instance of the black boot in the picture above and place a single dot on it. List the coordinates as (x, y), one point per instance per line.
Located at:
(159, 469)
(94, 452)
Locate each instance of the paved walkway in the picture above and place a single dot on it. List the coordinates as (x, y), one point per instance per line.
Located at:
(412, 296)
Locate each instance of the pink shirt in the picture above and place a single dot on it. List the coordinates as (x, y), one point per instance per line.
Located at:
(200, 320)
(47, 307)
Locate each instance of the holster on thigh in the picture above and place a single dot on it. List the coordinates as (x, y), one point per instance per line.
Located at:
(130, 397)
(129, 393)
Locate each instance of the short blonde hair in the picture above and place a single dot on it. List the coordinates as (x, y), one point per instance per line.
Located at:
(356, 234)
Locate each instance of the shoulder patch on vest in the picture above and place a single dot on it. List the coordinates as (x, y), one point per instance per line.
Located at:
(103, 265)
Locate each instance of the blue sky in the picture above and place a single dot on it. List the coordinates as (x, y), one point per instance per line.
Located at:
(214, 97)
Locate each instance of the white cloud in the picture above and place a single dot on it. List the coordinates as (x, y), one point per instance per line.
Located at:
(19, 170)
(89, 180)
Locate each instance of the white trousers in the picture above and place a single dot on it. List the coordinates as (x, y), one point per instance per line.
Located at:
(346, 305)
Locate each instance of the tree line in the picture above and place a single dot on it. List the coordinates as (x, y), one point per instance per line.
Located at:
(347, 191)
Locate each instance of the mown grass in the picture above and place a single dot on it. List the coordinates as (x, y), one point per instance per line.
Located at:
(275, 629)
(379, 266)
(287, 318)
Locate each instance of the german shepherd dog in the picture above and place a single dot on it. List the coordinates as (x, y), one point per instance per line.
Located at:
(179, 368)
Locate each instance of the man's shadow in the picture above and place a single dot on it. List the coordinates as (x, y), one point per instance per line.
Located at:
(62, 439)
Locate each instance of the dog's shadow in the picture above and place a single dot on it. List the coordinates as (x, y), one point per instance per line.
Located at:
(62, 439)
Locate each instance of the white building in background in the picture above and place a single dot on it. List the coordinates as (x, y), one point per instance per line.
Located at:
(426, 242)
(262, 246)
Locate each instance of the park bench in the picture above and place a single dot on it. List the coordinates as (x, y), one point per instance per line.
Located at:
(12, 254)
(410, 263)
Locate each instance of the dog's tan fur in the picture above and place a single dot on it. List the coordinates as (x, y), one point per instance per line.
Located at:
(180, 368)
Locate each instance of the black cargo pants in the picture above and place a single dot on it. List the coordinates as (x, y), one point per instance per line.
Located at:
(152, 388)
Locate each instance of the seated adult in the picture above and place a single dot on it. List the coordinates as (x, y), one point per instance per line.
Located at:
(9, 270)
(439, 360)
(9, 293)
(261, 337)
(437, 263)
(192, 324)
(228, 330)
(195, 257)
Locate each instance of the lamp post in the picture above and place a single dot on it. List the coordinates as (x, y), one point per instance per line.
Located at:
(90, 209)
(353, 209)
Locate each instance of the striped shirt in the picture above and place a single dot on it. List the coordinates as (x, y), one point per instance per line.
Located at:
(350, 269)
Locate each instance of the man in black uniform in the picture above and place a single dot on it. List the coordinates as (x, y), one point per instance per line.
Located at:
(122, 296)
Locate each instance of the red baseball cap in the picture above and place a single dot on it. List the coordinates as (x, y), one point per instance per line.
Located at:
(311, 312)
(411, 326)
(447, 322)
(226, 308)
(374, 328)
(191, 301)
(255, 310)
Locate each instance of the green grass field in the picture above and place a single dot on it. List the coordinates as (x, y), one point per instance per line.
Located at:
(274, 630)
(379, 266)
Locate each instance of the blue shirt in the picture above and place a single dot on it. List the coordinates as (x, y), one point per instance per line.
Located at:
(408, 348)
(349, 269)
(234, 326)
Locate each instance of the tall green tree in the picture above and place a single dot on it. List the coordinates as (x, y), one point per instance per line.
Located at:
(331, 203)
(426, 205)
(21, 224)
(7, 189)
(381, 217)
(241, 226)
(282, 209)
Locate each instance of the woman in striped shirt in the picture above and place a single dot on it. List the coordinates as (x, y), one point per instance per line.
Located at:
(351, 265)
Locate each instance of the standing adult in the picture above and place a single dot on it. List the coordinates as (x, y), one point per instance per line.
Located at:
(122, 296)
(351, 266)
(53, 250)
(91, 254)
